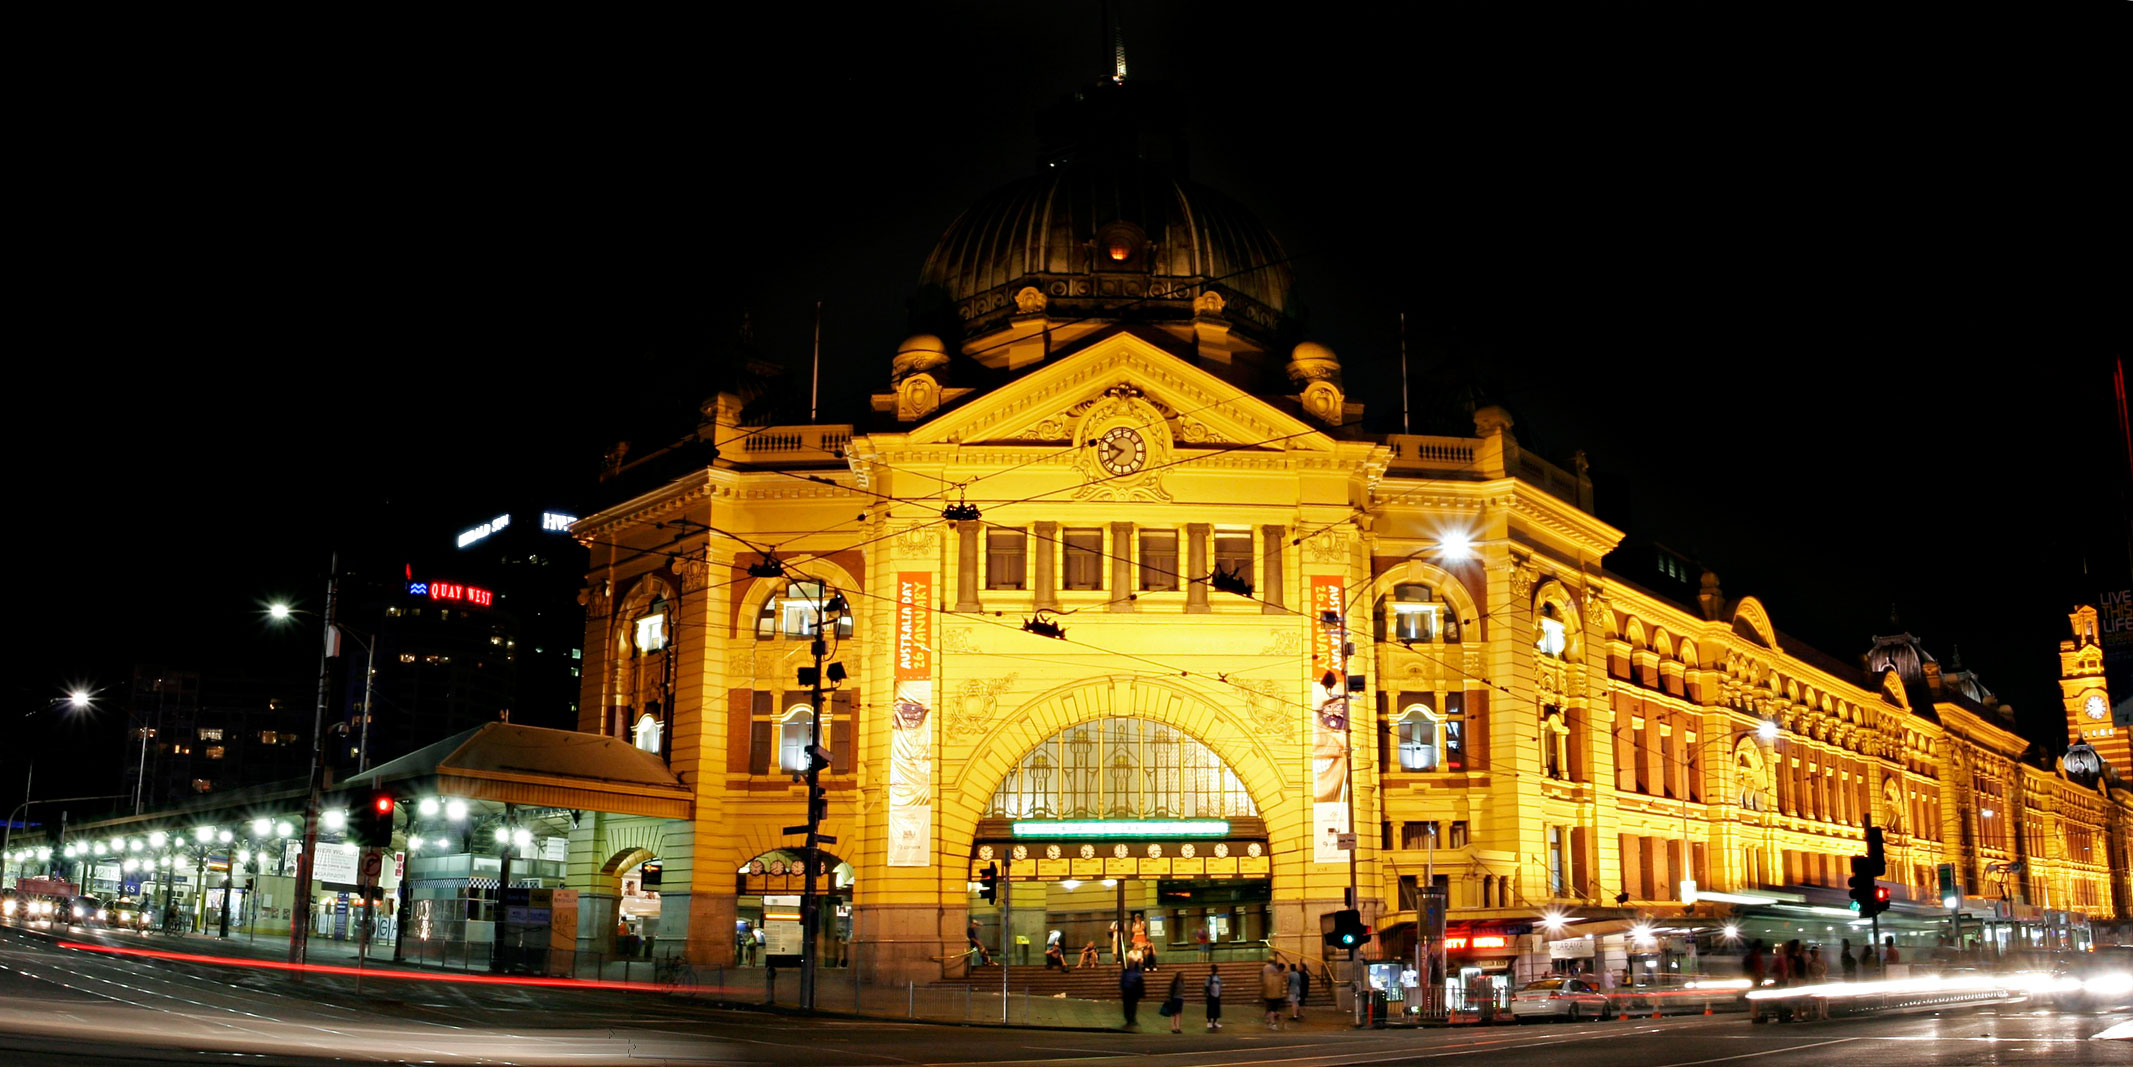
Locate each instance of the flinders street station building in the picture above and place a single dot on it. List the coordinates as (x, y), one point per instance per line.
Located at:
(1129, 630)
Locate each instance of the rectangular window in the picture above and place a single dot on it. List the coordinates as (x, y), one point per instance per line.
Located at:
(1556, 880)
(1005, 552)
(1414, 836)
(1159, 560)
(1233, 553)
(1410, 893)
(1414, 622)
(1084, 558)
(208, 734)
(1458, 838)
(214, 752)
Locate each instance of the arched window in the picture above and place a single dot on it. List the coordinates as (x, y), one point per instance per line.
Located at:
(1555, 744)
(1121, 768)
(648, 732)
(1414, 614)
(1421, 738)
(651, 631)
(793, 613)
(793, 732)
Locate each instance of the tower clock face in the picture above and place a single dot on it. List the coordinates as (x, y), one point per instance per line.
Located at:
(1121, 451)
(2095, 708)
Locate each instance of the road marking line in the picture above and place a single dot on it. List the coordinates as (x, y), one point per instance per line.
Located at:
(1752, 1055)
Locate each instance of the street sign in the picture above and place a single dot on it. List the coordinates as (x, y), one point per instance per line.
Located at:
(1345, 842)
(373, 863)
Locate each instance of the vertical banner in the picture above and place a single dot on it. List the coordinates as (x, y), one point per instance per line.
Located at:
(1329, 725)
(2114, 625)
(911, 725)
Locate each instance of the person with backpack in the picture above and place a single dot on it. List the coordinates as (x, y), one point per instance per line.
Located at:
(1174, 1001)
(1213, 992)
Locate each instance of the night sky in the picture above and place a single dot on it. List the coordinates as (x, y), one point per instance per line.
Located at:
(1831, 308)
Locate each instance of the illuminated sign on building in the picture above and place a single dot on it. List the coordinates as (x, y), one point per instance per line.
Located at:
(1477, 941)
(494, 525)
(551, 522)
(468, 594)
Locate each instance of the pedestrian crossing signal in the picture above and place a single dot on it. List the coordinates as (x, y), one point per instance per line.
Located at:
(989, 883)
(1347, 930)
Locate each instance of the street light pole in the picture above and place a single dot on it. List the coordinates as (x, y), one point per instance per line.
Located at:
(300, 930)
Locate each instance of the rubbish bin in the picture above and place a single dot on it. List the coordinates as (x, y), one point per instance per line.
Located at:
(1375, 1009)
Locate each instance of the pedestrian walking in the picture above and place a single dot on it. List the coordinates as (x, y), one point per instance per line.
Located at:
(1847, 962)
(1274, 989)
(1131, 987)
(1299, 984)
(1174, 1001)
(1212, 991)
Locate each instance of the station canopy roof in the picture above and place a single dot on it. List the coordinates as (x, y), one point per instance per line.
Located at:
(532, 766)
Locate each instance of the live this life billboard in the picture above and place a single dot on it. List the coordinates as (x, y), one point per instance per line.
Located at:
(2114, 631)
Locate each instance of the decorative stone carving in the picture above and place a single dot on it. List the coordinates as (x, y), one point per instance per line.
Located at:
(918, 540)
(957, 639)
(976, 703)
(1208, 303)
(596, 600)
(1052, 429)
(1522, 577)
(918, 396)
(1323, 401)
(1283, 642)
(1197, 433)
(1335, 545)
(1267, 711)
(1029, 301)
(695, 574)
(1597, 614)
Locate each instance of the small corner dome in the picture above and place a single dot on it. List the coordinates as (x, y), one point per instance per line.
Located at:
(918, 353)
(1311, 361)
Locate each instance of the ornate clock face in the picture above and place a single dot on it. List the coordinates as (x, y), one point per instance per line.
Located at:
(1121, 451)
(2095, 708)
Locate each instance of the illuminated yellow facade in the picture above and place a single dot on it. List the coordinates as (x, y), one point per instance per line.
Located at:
(1105, 551)
(1571, 736)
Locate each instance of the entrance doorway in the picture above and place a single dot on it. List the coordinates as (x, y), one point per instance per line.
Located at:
(1113, 916)
(766, 925)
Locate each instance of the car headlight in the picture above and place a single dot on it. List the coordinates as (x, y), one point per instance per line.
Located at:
(102, 915)
(7, 907)
(79, 911)
(2117, 984)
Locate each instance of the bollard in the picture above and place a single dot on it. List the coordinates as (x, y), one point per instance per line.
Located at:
(910, 998)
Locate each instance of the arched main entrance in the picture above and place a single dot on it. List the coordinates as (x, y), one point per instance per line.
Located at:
(1122, 832)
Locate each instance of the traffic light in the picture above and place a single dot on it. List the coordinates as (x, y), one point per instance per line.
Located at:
(1876, 862)
(1348, 930)
(818, 758)
(818, 805)
(989, 883)
(1877, 903)
(371, 826)
(1861, 886)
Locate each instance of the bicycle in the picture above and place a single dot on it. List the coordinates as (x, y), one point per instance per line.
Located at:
(674, 975)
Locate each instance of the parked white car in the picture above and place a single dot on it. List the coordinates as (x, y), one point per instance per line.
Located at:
(1568, 997)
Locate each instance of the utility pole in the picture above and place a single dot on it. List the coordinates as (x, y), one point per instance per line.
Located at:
(1007, 924)
(817, 801)
(300, 902)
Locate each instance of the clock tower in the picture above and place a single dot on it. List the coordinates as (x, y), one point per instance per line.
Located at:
(2088, 702)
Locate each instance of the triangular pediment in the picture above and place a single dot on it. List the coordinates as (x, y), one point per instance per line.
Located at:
(1045, 405)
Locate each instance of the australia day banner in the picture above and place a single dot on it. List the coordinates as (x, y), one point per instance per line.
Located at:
(911, 722)
(1329, 724)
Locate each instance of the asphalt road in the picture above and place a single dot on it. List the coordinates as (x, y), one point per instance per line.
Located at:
(66, 1006)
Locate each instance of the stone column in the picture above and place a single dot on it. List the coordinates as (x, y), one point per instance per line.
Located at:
(1274, 545)
(1196, 567)
(966, 567)
(1047, 586)
(1121, 566)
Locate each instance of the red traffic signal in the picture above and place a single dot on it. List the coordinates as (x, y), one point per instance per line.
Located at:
(382, 804)
(1881, 894)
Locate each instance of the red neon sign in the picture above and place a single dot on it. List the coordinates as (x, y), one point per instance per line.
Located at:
(471, 594)
(1478, 941)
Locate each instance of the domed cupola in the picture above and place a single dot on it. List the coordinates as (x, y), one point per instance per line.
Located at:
(1109, 231)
